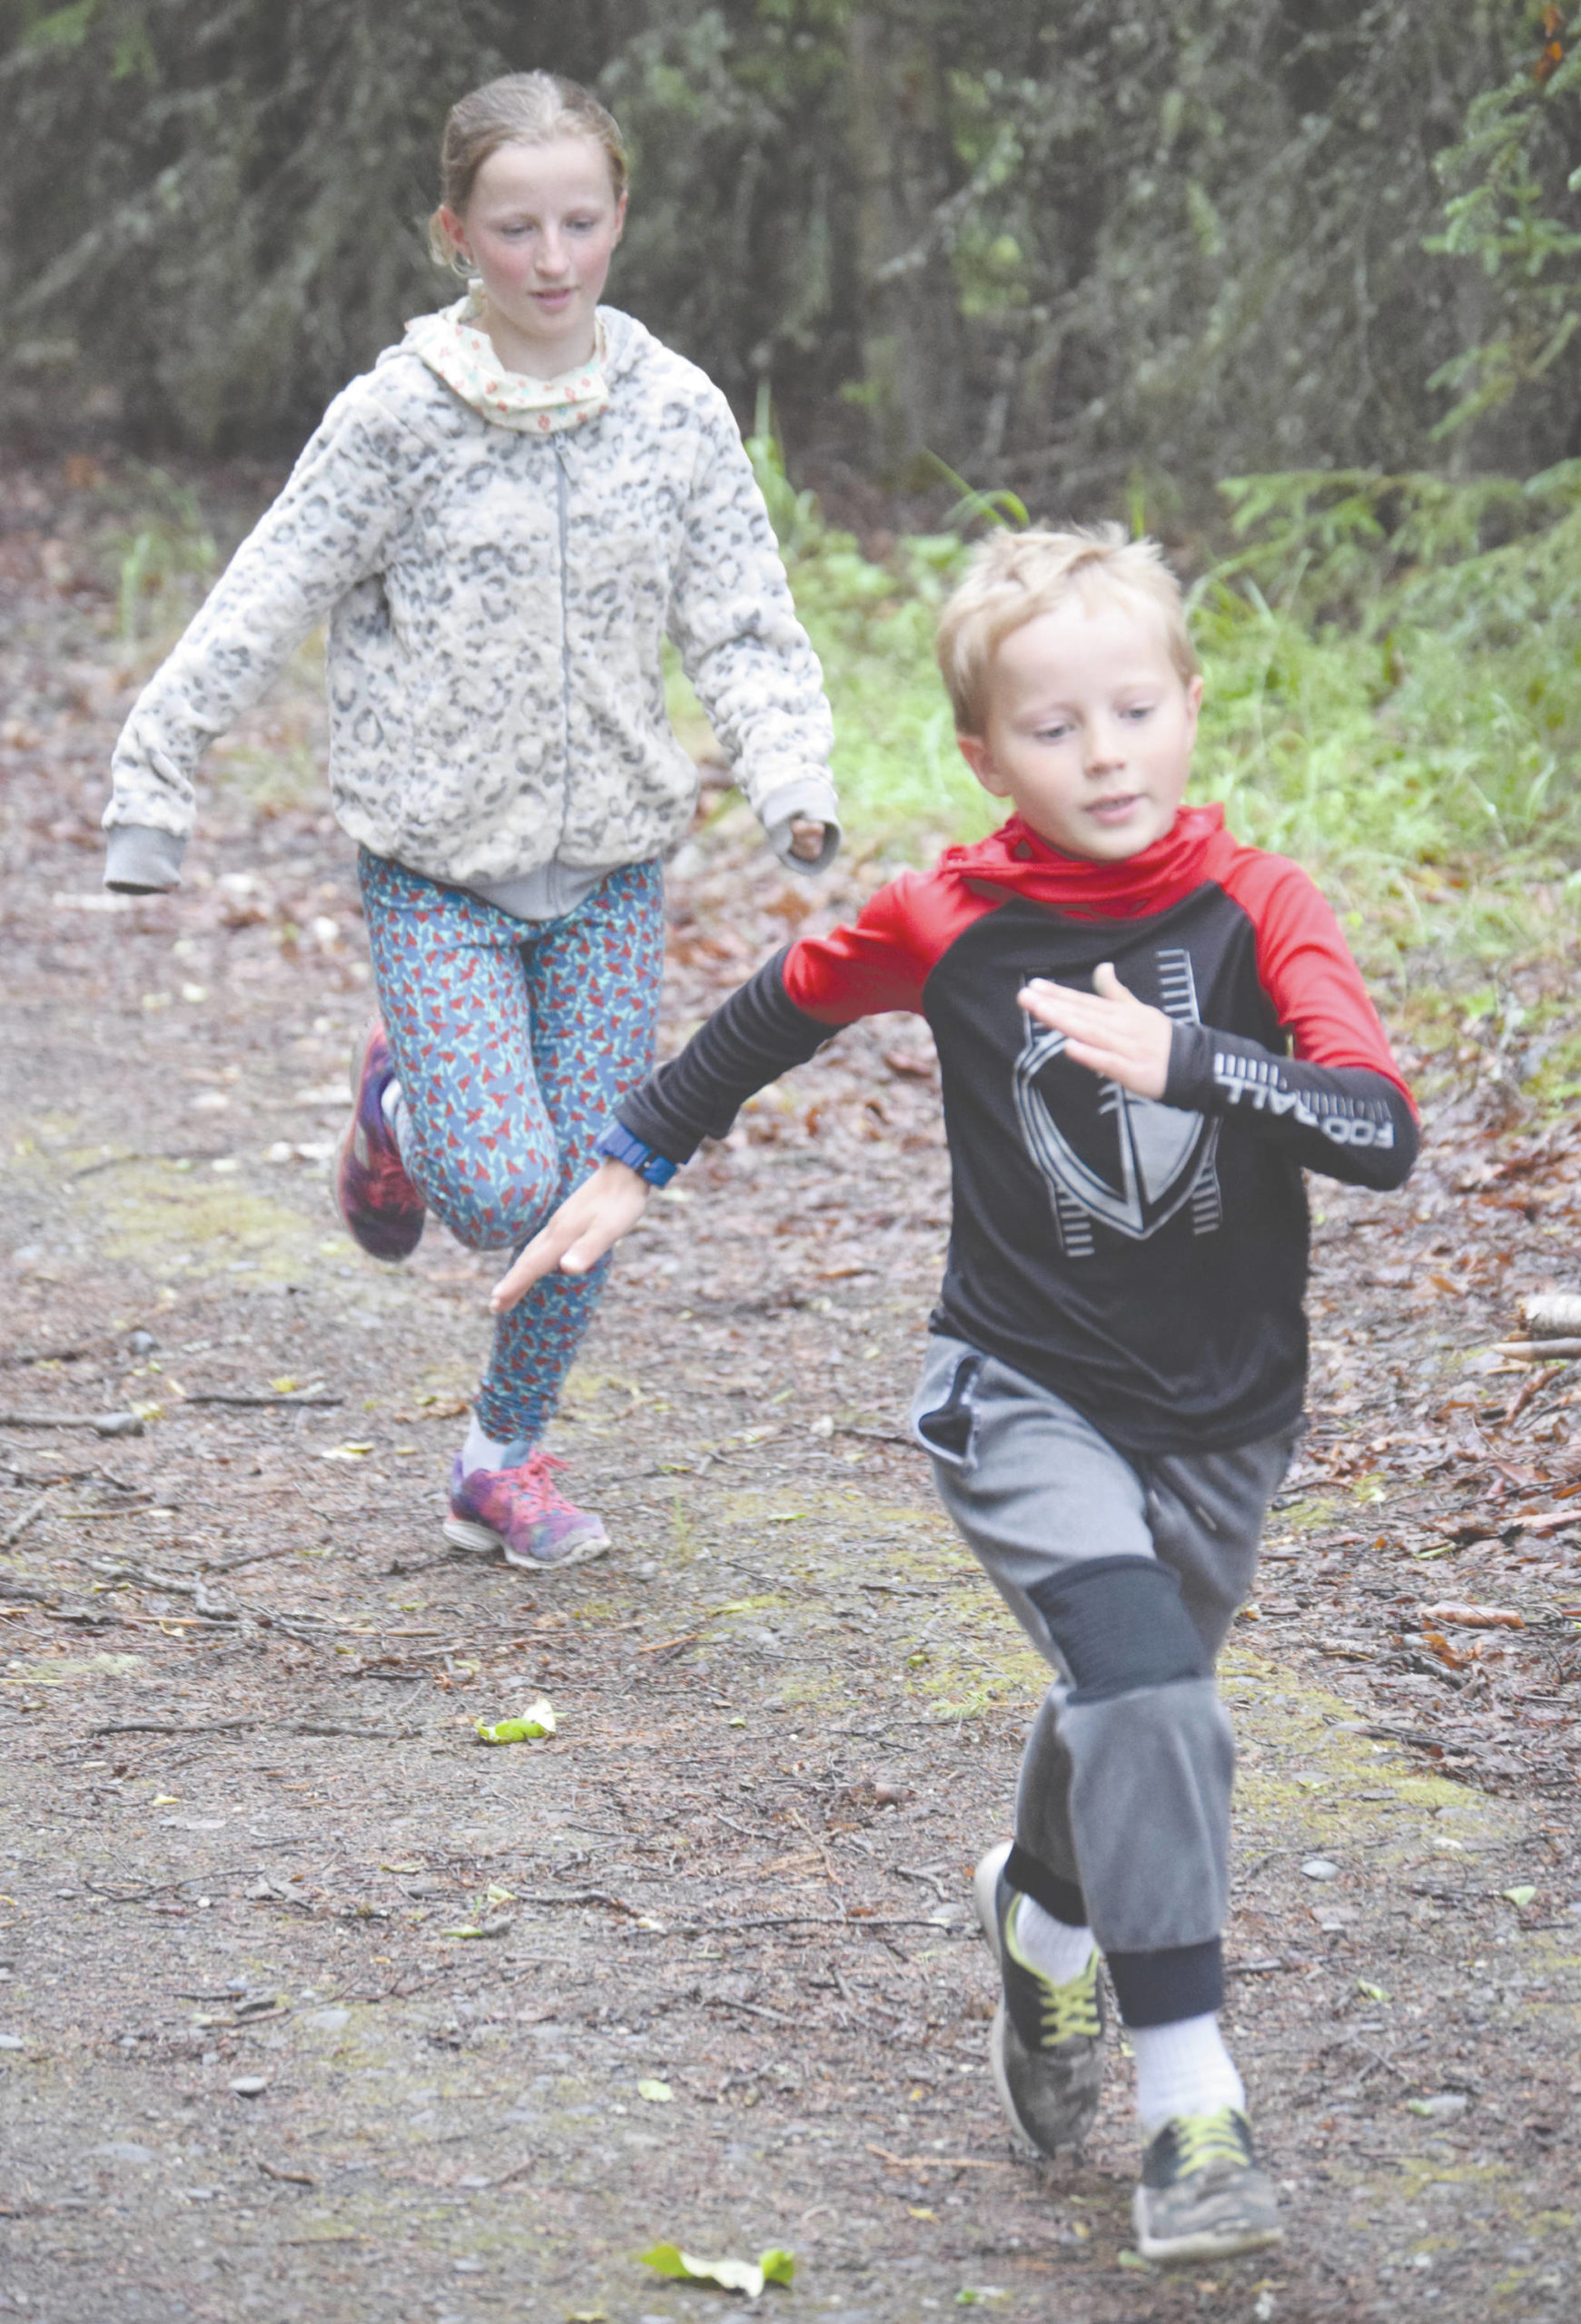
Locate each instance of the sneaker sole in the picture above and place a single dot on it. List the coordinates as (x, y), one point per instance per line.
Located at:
(404, 1243)
(462, 1533)
(986, 1896)
(986, 1899)
(1023, 2137)
(1209, 2244)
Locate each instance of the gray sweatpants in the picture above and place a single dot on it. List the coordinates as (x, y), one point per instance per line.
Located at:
(1122, 1809)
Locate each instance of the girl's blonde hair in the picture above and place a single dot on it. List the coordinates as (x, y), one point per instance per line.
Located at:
(1015, 576)
(519, 109)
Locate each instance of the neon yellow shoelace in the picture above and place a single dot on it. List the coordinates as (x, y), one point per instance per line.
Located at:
(1203, 2140)
(1071, 2010)
(1065, 2012)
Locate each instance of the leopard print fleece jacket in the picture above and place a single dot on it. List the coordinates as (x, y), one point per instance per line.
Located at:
(497, 602)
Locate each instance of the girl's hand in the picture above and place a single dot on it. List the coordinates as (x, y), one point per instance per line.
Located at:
(1108, 1030)
(807, 839)
(587, 1223)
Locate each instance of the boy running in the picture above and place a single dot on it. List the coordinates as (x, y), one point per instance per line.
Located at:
(1145, 1032)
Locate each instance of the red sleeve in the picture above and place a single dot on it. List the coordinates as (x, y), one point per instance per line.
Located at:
(885, 959)
(1304, 967)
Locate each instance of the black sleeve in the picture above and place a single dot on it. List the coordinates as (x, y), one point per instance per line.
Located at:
(749, 1041)
(1344, 1120)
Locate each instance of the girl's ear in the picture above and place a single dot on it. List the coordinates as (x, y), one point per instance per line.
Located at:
(455, 227)
(619, 219)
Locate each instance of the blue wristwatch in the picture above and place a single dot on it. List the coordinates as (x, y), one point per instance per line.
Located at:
(619, 1145)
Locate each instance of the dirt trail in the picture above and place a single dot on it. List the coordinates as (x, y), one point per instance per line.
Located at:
(248, 2066)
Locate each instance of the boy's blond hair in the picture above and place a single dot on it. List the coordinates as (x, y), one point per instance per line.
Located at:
(1015, 576)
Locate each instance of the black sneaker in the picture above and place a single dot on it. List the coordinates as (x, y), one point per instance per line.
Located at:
(1046, 2042)
(1201, 2195)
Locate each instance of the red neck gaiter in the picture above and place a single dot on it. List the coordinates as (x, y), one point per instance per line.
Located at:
(1016, 861)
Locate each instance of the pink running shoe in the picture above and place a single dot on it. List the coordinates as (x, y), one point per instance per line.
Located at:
(523, 1512)
(377, 1201)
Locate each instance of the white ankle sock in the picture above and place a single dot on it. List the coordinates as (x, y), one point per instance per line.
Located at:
(1183, 2069)
(1053, 1947)
(482, 1451)
(393, 1107)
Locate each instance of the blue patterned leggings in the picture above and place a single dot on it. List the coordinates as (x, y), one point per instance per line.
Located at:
(513, 1045)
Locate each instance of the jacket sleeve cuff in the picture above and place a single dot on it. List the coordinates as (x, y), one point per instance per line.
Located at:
(1189, 1083)
(812, 796)
(140, 859)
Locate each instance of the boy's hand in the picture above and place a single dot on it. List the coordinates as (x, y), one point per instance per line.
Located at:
(807, 839)
(587, 1223)
(1109, 1030)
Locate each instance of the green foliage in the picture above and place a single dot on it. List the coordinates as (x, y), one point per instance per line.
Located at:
(215, 214)
(1393, 697)
(1513, 168)
(164, 562)
(1052, 245)
(895, 760)
(1405, 650)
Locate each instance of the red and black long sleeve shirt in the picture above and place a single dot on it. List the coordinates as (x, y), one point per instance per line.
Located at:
(1145, 1259)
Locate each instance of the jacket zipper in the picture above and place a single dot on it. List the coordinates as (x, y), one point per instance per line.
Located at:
(563, 512)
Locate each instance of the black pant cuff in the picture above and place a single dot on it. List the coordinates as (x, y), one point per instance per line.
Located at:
(1159, 1988)
(1063, 1898)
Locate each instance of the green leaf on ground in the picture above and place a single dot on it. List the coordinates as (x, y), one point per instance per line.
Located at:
(538, 1719)
(657, 2093)
(772, 2267)
(1520, 1898)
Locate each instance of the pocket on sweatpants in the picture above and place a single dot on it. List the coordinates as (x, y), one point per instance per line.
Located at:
(946, 1426)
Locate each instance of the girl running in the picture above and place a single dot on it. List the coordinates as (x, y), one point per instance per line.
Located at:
(500, 524)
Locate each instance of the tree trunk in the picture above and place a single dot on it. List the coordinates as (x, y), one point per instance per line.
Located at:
(911, 329)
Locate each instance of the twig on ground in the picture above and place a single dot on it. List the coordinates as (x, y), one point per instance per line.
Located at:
(163, 1888)
(251, 1556)
(356, 1734)
(64, 1477)
(102, 1424)
(19, 1525)
(584, 1896)
(907, 1871)
(24, 1593)
(306, 1399)
(179, 1585)
(752, 2008)
(167, 1154)
(171, 1727)
(938, 2161)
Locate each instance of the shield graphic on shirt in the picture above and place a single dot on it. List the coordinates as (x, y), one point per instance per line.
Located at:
(1105, 1154)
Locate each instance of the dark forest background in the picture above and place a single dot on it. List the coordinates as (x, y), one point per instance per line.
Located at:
(1057, 245)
